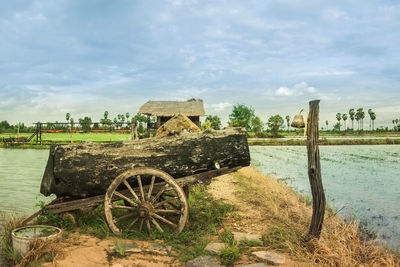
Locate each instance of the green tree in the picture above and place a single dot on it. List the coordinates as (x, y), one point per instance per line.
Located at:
(373, 118)
(275, 123)
(344, 118)
(370, 119)
(215, 122)
(361, 116)
(327, 123)
(339, 117)
(241, 116)
(206, 125)
(67, 117)
(127, 115)
(86, 123)
(257, 126)
(351, 114)
(106, 114)
(287, 122)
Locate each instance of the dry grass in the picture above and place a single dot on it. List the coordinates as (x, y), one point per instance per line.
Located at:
(283, 218)
(42, 251)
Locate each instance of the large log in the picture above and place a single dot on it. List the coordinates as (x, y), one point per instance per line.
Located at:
(87, 169)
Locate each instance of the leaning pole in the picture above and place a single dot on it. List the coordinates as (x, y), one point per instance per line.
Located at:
(314, 171)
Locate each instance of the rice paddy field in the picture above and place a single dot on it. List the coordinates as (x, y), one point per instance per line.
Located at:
(361, 181)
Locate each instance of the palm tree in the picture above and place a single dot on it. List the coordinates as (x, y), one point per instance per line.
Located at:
(373, 117)
(344, 118)
(327, 122)
(67, 117)
(358, 120)
(397, 122)
(339, 117)
(370, 119)
(287, 121)
(361, 115)
(351, 114)
(394, 124)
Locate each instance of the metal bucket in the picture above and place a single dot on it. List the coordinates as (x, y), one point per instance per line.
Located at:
(23, 237)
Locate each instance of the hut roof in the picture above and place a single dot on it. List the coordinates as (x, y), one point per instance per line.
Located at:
(191, 107)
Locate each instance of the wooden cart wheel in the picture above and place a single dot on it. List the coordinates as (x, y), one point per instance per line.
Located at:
(145, 197)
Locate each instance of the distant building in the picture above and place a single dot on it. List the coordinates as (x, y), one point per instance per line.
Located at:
(164, 110)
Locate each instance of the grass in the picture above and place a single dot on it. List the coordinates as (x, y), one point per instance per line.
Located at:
(206, 217)
(286, 218)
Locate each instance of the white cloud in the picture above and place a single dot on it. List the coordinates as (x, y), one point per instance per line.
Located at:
(218, 107)
(333, 14)
(297, 90)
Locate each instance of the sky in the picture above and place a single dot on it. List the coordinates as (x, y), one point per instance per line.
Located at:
(85, 57)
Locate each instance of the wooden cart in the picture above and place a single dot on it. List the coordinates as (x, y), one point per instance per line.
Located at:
(147, 197)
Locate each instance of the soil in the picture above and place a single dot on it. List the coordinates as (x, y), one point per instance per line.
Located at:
(82, 250)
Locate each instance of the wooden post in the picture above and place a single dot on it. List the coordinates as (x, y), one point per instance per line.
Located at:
(37, 132)
(40, 133)
(314, 171)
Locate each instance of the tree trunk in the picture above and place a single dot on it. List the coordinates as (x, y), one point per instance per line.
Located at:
(314, 171)
(88, 169)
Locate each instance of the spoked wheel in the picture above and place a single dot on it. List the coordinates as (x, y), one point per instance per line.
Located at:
(145, 198)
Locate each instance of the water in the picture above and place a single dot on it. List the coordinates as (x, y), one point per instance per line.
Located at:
(21, 172)
(358, 180)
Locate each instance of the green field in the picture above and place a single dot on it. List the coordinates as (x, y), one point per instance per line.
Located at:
(65, 137)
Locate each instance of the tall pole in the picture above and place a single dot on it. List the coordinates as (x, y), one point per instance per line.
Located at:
(314, 171)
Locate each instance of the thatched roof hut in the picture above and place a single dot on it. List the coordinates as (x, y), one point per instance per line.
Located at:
(164, 110)
(191, 107)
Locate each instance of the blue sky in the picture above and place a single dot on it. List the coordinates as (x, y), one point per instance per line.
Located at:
(85, 57)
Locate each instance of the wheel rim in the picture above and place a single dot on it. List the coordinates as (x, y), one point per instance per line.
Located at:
(145, 198)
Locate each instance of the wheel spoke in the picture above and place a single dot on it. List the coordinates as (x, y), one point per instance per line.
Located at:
(148, 225)
(140, 187)
(158, 195)
(132, 223)
(153, 178)
(125, 198)
(131, 190)
(164, 220)
(115, 206)
(167, 211)
(156, 225)
(165, 202)
(124, 217)
(141, 224)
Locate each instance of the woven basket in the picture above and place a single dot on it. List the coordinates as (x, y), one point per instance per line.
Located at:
(298, 121)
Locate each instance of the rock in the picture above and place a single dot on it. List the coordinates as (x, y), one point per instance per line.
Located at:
(128, 248)
(270, 257)
(214, 248)
(204, 261)
(239, 236)
(160, 249)
(252, 265)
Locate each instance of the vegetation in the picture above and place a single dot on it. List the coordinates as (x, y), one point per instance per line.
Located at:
(241, 116)
(275, 123)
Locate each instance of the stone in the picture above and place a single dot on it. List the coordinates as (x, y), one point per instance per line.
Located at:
(214, 248)
(204, 261)
(129, 248)
(239, 236)
(160, 249)
(270, 257)
(252, 265)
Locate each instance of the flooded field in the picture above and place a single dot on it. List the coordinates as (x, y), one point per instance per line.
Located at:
(21, 172)
(359, 180)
